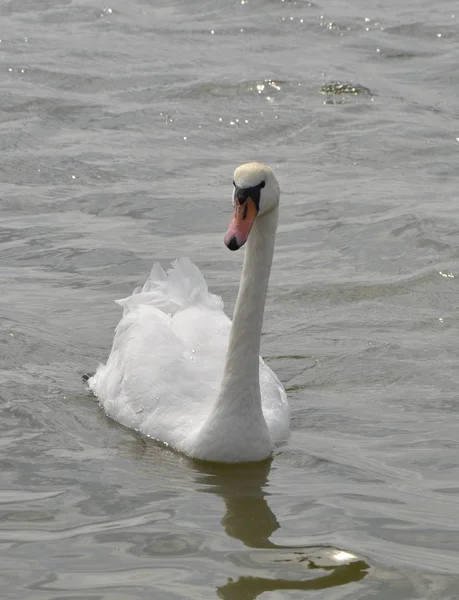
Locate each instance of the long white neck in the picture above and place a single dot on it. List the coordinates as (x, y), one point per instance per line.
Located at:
(241, 381)
(236, 430)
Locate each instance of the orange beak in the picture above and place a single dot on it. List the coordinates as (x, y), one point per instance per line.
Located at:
(241, 224)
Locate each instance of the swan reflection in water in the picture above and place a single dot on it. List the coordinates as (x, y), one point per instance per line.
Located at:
(249, 519)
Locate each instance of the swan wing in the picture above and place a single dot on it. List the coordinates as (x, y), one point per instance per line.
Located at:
(275, 405)
(167, 358)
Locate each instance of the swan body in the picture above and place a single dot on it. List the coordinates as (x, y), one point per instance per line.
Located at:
(179, 371)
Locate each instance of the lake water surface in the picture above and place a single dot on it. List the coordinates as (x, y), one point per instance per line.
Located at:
(121, 125)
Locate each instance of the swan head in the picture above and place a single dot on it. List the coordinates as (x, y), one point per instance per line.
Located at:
(255, 193)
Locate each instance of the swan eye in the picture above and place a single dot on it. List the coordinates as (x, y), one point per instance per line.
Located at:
(262, 184)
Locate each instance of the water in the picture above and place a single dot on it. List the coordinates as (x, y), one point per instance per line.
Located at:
(121, 125)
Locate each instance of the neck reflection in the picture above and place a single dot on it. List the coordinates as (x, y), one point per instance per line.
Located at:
(249, 519)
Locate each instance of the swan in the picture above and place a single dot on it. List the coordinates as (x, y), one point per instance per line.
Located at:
(178, 371)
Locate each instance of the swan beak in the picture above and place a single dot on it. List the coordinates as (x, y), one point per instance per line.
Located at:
(241, 224)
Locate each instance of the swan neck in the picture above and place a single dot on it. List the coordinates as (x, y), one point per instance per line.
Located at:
(241, 374)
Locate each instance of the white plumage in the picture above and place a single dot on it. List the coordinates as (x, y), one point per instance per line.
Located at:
(166, 371)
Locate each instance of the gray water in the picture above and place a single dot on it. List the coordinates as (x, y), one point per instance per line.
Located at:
(121, 125)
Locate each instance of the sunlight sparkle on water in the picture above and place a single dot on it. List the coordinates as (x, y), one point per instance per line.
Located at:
(343, 556)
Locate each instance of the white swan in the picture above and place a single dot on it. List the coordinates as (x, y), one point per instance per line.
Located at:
(179, 372)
